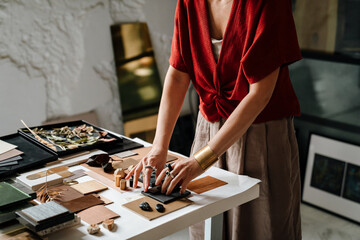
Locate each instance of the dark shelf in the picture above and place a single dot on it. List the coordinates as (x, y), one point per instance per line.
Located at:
(336, 57)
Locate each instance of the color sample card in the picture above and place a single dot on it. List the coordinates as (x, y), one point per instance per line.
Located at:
(10, 154)
(89, 187)
(5, 146)
(11, 195)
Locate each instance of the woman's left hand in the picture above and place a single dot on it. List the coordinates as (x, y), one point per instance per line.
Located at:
(184, 170)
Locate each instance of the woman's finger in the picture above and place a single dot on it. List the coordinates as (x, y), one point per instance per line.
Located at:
(175, 181)
(168, 179)
(161, 176)
(131, 172)
(137, 174)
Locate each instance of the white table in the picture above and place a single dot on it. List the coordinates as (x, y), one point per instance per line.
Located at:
(209, 205)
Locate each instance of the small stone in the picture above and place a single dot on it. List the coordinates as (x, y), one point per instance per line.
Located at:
(93, 229)
(145, 206)
(160, 208)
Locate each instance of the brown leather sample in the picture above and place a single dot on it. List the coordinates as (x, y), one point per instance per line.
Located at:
(97, 214)
(170, 207)
(82, 203)
(89, 187)
(205, 184)
(66, 193)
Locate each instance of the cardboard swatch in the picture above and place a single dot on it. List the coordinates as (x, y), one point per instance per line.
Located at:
(81, 203)
(205, 184)
(124, 163)
(97, 214)
(10, 154)
(145, 150)
(170, 207)
(5, 146)
(89, 187)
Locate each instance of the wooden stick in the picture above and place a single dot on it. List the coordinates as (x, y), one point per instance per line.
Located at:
(39, 138)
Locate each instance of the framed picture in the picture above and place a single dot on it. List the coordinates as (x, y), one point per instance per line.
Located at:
(332, 177)
(332, 32)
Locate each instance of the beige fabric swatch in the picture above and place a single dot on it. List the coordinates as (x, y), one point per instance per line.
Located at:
(5, 146)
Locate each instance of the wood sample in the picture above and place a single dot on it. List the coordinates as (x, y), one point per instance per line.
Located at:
(205, 184)
(89, 187)
(97, 214)
(170, 207)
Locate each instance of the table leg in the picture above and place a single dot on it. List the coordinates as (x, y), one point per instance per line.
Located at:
(214, 227)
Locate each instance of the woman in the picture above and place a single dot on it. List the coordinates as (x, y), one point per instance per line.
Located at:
(236, 54)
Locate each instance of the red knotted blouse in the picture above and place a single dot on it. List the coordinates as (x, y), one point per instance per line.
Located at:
(260, 36)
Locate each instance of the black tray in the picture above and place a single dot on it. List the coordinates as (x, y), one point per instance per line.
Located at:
(33, 156)
(98, 145)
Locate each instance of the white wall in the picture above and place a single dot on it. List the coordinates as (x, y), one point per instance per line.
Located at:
(56, 57)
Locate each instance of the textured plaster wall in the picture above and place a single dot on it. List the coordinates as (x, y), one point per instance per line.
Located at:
(56, 56)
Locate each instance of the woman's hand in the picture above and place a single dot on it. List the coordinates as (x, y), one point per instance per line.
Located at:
(156, 158)
(183, 171)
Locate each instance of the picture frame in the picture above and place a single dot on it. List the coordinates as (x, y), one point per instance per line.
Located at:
(332, 177)
(331, 33)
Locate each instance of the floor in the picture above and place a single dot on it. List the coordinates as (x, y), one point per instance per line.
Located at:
(316, 225)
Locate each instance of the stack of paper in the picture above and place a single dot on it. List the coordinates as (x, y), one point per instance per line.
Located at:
(9, 155)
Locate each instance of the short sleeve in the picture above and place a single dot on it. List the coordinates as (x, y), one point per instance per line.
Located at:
(271, 38)
(176, 59)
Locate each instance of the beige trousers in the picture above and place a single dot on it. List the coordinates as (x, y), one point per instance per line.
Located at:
(267, 151)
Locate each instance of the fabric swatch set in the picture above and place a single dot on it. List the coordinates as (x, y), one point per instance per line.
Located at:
(9, 154)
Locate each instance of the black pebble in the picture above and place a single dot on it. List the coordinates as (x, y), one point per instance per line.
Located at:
(160, 208)
(145, 206)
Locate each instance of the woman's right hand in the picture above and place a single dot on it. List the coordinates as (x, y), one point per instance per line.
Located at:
(156, 158)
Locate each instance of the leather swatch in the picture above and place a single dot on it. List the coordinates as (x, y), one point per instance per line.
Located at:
(82, 203)
(170, 207)
(91, 186)
(97, 214)
(205, 184)
(66, 193)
